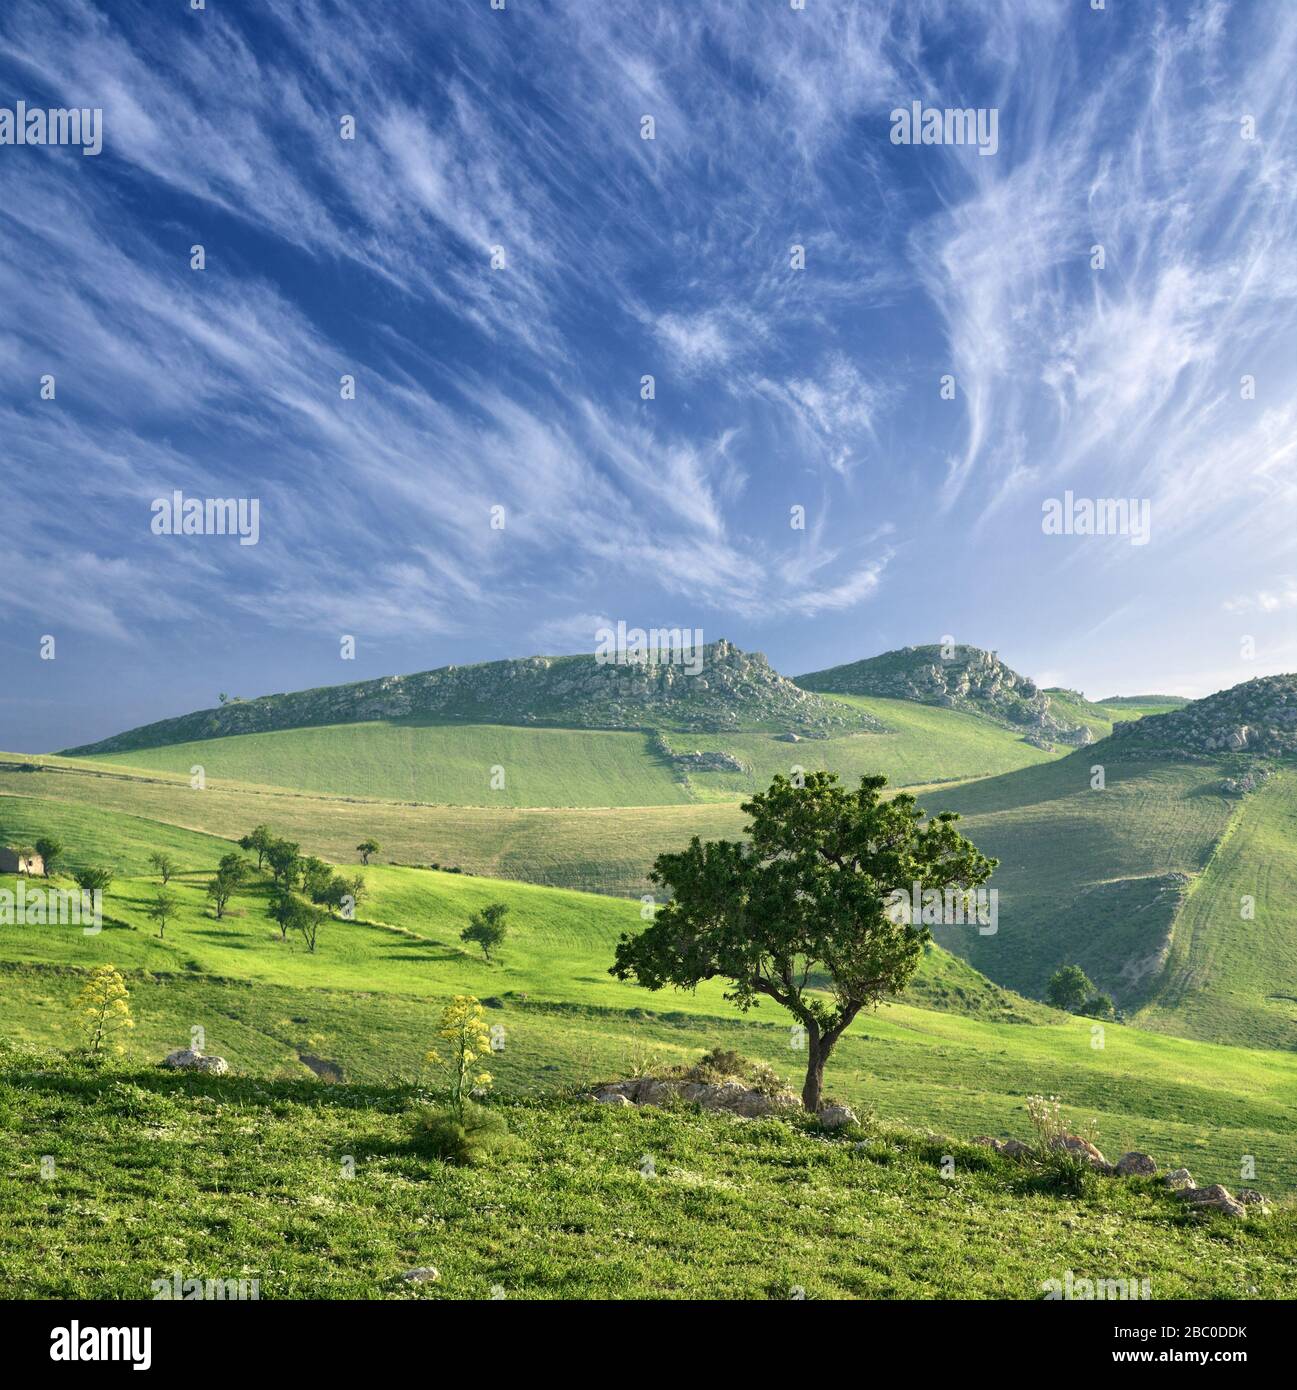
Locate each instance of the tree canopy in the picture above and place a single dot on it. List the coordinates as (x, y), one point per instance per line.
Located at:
(802, 911)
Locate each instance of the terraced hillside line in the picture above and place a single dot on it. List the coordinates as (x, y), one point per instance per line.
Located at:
(1176, 983)
(1228, 975)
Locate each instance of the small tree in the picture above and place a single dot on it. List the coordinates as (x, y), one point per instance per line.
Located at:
(283, 909)
(285, 862)
(105, 1011)
(163, 865)
(49, 850)
(163, 907)
(487, 928)
(235, 867)
(1068, 988)
(96, 880)
(308, 920)
(366, 848)
(231, 873)
(258, 840)
(317, 878)
(221, 889)
(812, 891)
(339, 893)
(463, 1029)
(296, 914)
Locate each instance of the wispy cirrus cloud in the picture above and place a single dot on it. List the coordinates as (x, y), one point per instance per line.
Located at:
(515, 136)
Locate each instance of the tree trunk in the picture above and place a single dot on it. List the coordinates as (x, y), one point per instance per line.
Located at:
(816, 1058)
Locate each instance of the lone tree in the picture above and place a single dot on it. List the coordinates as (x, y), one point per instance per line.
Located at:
(162, 908)
(487, 927)
(366, 848)
(805, 904)
(308, 920)
(1068, 988)
(49, 850)
(163, 865)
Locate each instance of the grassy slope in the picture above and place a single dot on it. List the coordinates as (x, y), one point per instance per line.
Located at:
(413, 760)
(1078, 876)
(160, 1176)
(368, 1000)
(451, 763)
(1081, 877)
(602, 850)
(93, 836)
(924, 744)
(1227, 976)
(406, 941)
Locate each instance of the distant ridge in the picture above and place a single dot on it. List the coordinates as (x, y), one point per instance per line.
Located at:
(1179, 701)
(733, 690)
(969, 679)
(1258, 716)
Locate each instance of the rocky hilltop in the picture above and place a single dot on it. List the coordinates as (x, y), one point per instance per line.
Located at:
(733, 690)
(969, 679)
(1259, 716)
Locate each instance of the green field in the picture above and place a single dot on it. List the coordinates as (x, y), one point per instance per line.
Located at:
(242, 1175)
(598, 849)
(1099, 717)
(1096, 878)
(1084, 875)
(452, 764)
(924, 744)
(368, 999)
(1227, 975)
(318, 1191)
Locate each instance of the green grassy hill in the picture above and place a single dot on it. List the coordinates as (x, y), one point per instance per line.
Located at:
(956, 677)
(409, 760)
(1231, 970)
(1140, 885)
(712, 687)
(603, 850)
(958, 1054)
(155, 1174)
(412, 760)
(919, 745)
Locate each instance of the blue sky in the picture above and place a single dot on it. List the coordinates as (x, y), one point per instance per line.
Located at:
(520, 386)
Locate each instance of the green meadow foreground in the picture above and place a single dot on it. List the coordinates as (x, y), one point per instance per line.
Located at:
(321, 1191)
